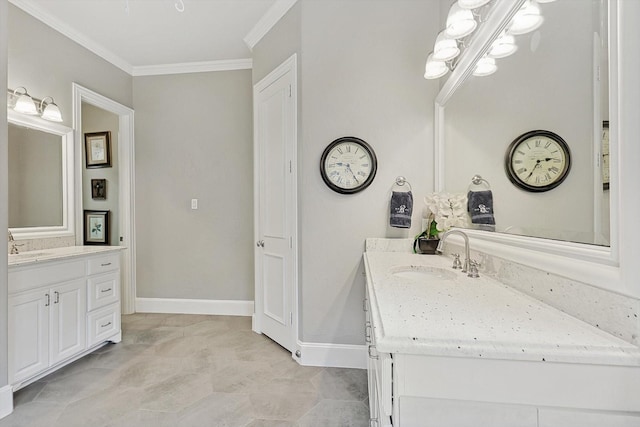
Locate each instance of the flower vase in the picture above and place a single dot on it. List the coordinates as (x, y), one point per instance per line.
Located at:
(428, 246)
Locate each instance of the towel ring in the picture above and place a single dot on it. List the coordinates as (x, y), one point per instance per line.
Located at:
(401, 181)
(479, 181)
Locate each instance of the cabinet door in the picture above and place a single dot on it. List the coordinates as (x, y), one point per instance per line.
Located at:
(28, 334)
(68, 320)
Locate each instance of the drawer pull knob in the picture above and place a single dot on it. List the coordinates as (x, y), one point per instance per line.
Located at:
(46, 304)
(105, 325)
(57, 297)
(105, 290)
(105, 265)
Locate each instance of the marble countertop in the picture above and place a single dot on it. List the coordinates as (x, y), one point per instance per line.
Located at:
(55, 254)
(475, 317)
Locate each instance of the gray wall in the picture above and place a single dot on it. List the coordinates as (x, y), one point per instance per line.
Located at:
(47, 62)
(194, 139)
(95, 119)
(361, 75)
(4, 195)
(35, 178)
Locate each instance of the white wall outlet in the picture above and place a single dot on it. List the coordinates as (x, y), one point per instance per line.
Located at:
(194, 203)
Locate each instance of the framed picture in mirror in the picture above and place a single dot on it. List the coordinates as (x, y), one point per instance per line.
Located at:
(96, 227)
(605, 155)
(97, 149)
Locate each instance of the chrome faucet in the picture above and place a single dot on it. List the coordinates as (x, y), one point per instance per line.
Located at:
(469, 266)
(14, 247)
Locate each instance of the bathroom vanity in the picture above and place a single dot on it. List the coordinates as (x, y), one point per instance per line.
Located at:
(449, 350)
(63, 304)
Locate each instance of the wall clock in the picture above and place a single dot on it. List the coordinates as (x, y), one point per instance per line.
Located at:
(348, 165)
(538, 161)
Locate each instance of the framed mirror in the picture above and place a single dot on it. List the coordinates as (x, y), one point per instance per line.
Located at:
(41, 194)
(556, 81)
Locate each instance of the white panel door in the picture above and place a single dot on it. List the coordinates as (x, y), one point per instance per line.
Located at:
(275, 121)
(28, 334)
(68, 320)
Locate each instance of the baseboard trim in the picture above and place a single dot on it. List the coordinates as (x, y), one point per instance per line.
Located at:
(6, 401)
(194, 306)
(333, 355)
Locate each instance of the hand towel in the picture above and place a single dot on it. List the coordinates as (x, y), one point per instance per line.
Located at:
(401, 209)
(480, 207)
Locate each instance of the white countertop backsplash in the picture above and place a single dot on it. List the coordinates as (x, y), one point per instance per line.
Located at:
(475, 317)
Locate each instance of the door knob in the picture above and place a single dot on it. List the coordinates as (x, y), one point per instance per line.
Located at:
(260, 244)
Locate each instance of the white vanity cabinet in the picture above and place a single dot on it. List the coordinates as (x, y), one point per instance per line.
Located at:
(379, 367)
(59, 309)
(446, 350)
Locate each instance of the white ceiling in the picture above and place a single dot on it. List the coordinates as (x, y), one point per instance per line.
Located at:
(138, 35)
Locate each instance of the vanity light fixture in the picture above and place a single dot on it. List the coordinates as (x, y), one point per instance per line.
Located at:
(435, 69)
(446, 48)
(473, 4)
(24, 103)
(20, 101)
(50, 111)
(485, 66)
(527, 19)
(503, 46)
(460, 22)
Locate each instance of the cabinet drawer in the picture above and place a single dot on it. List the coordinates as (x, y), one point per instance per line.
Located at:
(46, 274)
(103, 324)
(103, 290)
(103, 264)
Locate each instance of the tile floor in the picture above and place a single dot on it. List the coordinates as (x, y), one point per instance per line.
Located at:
(192, 370)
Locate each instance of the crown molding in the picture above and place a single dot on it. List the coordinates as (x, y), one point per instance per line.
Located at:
(273, 15)
(193, 67)
(32, 9)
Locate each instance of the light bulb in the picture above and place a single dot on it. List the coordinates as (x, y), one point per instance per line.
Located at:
(435, 69)
(503, 46)
(527, 19)
(25, 104)
(460, 22)
(485, 67)
(445, 48)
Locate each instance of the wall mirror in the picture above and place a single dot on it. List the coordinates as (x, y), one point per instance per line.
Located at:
(556, 81)
(40, 178)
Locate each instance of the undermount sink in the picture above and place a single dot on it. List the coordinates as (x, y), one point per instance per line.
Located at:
(423, 273)
(26, 255)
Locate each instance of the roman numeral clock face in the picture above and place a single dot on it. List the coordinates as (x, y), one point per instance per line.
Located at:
(348, 165)
(538, 161)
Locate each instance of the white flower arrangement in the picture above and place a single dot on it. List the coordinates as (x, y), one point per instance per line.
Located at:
(447, 210)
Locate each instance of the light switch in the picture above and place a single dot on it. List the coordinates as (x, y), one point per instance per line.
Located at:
(194, 203)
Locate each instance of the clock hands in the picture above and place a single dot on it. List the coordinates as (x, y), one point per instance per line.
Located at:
(354, 175)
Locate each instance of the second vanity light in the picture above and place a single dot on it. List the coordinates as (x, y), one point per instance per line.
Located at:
(20, 101)
(461, 22)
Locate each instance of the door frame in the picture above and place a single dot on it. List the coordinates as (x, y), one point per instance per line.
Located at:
(289, 65)
(126, 162)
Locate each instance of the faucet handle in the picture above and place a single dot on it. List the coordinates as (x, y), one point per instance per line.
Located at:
(457, 264)
(473, 269)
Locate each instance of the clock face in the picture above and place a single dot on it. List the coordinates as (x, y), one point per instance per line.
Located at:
(348, 165)
(538, 161)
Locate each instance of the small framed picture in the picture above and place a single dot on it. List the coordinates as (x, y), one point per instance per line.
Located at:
(96, 227)
(97, 149)
(99, 189)
(605, 155)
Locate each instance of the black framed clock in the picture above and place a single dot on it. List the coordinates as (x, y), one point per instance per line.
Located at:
(348, 165)
(538, 161)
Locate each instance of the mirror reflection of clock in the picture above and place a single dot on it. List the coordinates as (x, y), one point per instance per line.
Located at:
(538, 161)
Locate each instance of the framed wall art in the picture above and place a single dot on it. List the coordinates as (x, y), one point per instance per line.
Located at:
(605, 155)
(96, 227)
(99, 189)
(97, 149)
